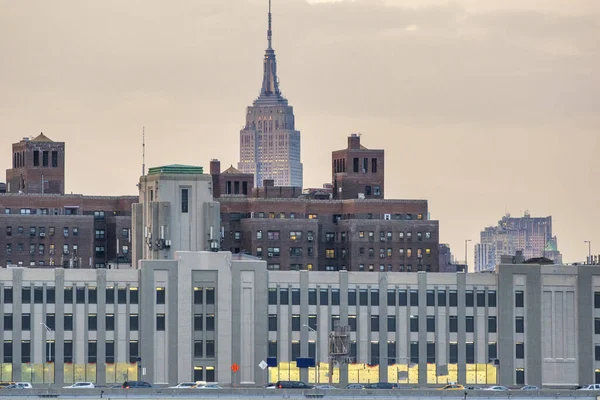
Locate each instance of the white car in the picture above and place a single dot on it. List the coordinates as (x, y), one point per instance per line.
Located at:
(25, 385)
(595, 386)
(184, 385)
(209, 386)
(497, 388)
(80, 385)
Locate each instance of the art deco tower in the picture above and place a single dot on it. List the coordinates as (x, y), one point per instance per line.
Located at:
(269, 142)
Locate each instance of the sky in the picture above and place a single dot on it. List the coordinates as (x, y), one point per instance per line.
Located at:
(483, 107)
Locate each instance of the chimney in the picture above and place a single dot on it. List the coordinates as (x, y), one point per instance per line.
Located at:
(215, 167)
(354, 141)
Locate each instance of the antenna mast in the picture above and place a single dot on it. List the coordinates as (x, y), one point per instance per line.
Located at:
(269, 33)
(143, 150)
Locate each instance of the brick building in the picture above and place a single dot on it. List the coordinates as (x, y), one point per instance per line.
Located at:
(38, 166)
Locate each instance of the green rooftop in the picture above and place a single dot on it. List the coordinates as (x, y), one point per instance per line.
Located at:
(176, 169)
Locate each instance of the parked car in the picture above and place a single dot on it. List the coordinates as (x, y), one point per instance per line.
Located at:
(14, 386)
(209, 386)
(325, 387)
(530, 387)
(270, 386)
(452, 386)
(355, 386)
(80, 385)
(595, 386)
(136, 385)
(5, 384)
(382, 385)
(292, 385)
(26, 385)
(497, 388)
(470, 387)
(184, 385)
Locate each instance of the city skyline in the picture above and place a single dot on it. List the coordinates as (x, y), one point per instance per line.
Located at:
(537, 88)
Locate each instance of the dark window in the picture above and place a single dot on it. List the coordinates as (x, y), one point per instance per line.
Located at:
(110, 322)
(441, 298)
(210, 349)
(312, 321)
(402, 298)
(133, 322)
(198, 295)
(520, 376)
(335, 321)
(374, 353)
(492, 324)
(50, 321)
(453, 354)
(26, 295)
(352, 297)
(8, 295)
(272, 352)
(184, 200)
(355, 164)
(335, 297)
(469, 324)
(391, 323)
(284, 297)
(453, 323)
(414, 323)
(68, 322)
(470, 353)
(160, 322)
(272, 296)
(92, 351)
(480, 298)
(520, 325)
(68, 351)
(491, 298)
(134, 348)
(414, 352)
(596, 352)
(210, 296)
(363, 297)
(45, 158)
(519, 299)
(210, 322)
(198, 353)
(122, 296)
(160, 295)
(324, 297)
(80, 295)
(596, 299)
(430, 298)
(414, 297)
(430, 323)
(38, 295)
(295, 323)
(374, 323)
(8, 322)
(391, 297)
(110, 352)
(110, 295)
(374, 165)
(26, 322)
(352, 322)
(92, 295)
(55, 159)
(374, 297)
(25, 351)
(430, 352)
(36, 158)
(492, 350)
(133, 296)
(295, 350)
(520, 350)
(391, 352)
(453, 298)
(92, 322)
(469, 298)
(296, 297)
(198, 325)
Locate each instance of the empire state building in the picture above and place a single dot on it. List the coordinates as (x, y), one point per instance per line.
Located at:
(269, 142)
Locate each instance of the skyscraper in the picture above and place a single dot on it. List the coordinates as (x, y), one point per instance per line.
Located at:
(269, 142)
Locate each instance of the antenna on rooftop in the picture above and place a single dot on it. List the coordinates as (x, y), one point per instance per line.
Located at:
(143, 150)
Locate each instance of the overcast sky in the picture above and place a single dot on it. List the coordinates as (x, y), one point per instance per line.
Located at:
(482, 106)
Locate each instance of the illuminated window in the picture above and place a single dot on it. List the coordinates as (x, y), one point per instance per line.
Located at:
(361, 234)
(428, 251)
(329, 253)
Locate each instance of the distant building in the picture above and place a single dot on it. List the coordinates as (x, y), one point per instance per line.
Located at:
(447, 263)
(38, 166)
(269, 141)
(531, 235)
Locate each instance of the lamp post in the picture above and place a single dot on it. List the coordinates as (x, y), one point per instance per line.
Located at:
(49, 344)
(316, 352)
(589, 242)
(466, 262)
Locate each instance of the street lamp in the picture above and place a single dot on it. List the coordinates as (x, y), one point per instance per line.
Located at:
(49, 344)
(589, 242)
(466, 262)
(316, 351)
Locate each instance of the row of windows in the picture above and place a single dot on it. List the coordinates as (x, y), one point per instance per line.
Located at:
(50, 322)
(92, 351)
(413, 358)
(78, 294)
(292, 215)
(401, 297)
(54, 211)
(331, 237)
(41, 231)
(40, 249)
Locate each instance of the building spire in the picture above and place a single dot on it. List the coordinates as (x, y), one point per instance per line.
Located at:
(270, 85)
(269, 31)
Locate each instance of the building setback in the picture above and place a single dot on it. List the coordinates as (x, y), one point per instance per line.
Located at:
(193, 317)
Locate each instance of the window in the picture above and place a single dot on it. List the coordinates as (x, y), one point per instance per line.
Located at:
(272, 352)
(402, 297)
(295, 350)
(26, 295)
(92, 351)
(414, 297)
(391, 297)
(198, 353)
(198, 295)
(295, 235)
(50, 321)
(430, 352)
(374, 353)
(492, 350)
(441, 295)
(134, 321)
(68, 352)
(414, 352)
(295, 323)
(491, 298)
(596, 299)
(414, 323)
(480, 298)
(468, 298)
(391, 323)
(273, 322)
(453, 323)
(335, 297)
(160, 322)
(469, 324)
(210, 322)
(352, 322)
(273, 235)
(324, 297)
(374, 297)
(453, 353)
(430, 298)
(312, 321)
(25, 351)
(453, 298)
(92, 322)
(100, 233)
(68, 322)
(374, 323)
(470, 352)
(160, 295)
(363, 297)
(76, 232)
(38, 295)
(8, 295)
(329, 253)
(80, 295)
(110, 351)
(597, 353)
(296, 251)
(284, 296)
(351, 297)
(26, 322)
(133, 351)
(272, 296)
(121, 295)
(198, 323)
(430, 323)
(492, 325)
(110, 295)
(8, 322)
(520, 376)
(519, 299)
(519, 351)
(520, 325)
(133, 295)
(184, 200)
(36, 158)
(110, 322)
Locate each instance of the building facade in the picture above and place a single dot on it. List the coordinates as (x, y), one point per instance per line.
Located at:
(269, 141)
(193, 317)
(38, 166)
